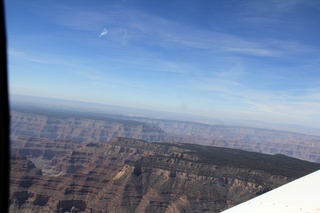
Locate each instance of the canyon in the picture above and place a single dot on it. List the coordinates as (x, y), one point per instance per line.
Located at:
(132, 175)
(74, 161)
(93, 127)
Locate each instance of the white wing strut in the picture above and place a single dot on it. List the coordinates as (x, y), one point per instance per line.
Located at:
(299, 196)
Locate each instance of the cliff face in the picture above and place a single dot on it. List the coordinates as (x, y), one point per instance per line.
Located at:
(129, 175)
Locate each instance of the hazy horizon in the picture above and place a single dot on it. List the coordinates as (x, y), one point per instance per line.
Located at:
(226, 60)
(114, 110)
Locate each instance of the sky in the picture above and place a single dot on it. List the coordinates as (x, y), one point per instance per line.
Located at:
(230, 59)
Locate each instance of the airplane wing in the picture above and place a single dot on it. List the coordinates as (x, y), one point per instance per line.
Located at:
(299, 196)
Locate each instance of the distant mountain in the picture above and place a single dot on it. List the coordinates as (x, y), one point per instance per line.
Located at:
(32, 102)
(78, 126)
(279, 126)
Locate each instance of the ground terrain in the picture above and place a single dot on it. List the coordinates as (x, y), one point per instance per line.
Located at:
(130, 175)
(69, 161)
(92, 127)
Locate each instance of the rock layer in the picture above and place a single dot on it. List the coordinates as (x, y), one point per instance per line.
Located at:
(130, 175)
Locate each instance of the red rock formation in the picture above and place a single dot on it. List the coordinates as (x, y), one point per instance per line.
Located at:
(128, 175)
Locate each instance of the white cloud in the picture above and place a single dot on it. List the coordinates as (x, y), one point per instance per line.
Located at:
(104, 32)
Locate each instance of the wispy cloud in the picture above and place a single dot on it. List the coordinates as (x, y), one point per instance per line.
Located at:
(124, 37)
(42, 58)
(104, 32)
(254, 51)
(299, 103)
(140, 26)
(103, 80)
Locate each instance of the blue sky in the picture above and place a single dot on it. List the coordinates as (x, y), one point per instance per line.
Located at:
(257, 60)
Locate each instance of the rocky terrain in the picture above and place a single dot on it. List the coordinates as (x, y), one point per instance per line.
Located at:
(69, 161)
(131, 175)
(92, 127)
